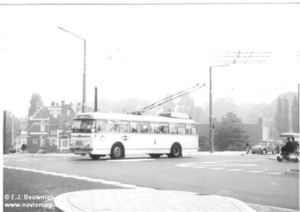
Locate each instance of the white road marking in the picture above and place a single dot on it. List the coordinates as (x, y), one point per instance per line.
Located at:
(276, 173)
(216, 168)
(22, 160)
(255, 171)
(197, 167)
(235, 170)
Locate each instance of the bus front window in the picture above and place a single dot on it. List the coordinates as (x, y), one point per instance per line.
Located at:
(83, 126)
(76, 125)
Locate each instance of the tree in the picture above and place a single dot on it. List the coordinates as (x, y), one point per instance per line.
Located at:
(35, 103)
(295, 115)
(286, 119)
(187, 105)
(279, 116)
(231, 133)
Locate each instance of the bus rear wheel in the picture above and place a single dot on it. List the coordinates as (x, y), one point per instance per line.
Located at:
(116, 151)
(95, 157)
(154, 155)
(175, 151)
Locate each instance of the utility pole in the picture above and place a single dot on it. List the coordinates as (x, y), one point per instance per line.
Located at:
(96, 100)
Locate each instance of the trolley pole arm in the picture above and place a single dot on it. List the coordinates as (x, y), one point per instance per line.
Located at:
(167, 99)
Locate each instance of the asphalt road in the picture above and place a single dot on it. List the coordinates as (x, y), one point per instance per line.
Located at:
(250, 178)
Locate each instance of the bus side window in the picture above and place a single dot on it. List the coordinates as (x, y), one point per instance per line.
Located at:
(188, 129)
(101, 125)
(155, 128)
(113, 126)
(194, 130)
(181, 129)
(144, 127)
(173, 129)
(134, 126)
(124, 126)
(164, 128)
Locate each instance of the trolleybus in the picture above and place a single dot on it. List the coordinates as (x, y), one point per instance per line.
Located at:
(99, 134)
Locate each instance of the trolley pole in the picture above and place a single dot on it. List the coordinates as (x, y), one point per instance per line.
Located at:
(211, 125)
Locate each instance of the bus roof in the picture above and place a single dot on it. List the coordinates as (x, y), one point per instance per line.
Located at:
(130, 117)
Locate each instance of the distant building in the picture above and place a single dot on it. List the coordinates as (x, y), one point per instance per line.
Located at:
(50, 127)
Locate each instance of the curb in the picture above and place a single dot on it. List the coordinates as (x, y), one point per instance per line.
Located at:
(265, 208)
(146, 200)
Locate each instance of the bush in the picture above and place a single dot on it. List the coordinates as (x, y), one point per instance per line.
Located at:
(49, 148)
(203, 143)
(236, 147)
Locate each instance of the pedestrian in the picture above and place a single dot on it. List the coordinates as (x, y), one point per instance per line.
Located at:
(247, 145)
(24, 147)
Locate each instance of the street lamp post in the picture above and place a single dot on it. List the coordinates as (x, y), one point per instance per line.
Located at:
(211, 125)
(84, 69)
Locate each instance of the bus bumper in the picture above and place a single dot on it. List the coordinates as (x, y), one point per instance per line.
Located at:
(81, 150)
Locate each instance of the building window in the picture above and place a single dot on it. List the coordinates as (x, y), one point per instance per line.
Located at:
(42, 127)
(35, 141)
(53, 132)
(64, 143)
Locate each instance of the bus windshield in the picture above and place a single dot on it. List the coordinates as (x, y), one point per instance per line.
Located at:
(83, 126)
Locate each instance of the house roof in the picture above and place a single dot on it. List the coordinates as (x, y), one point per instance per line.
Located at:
(41, 113)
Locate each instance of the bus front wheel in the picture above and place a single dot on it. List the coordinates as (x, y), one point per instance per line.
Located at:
(175, 151)
(116, 151)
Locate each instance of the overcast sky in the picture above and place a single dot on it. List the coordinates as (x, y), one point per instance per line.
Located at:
(145, 52)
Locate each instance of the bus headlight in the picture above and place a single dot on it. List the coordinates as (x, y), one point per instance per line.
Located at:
(102, 138)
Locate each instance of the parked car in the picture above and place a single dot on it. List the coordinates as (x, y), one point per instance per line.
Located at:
(264, 147)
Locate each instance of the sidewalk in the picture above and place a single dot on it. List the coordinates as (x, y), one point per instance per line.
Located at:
(144, 199)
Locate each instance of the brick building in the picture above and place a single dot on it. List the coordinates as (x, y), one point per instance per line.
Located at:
(49, 127)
